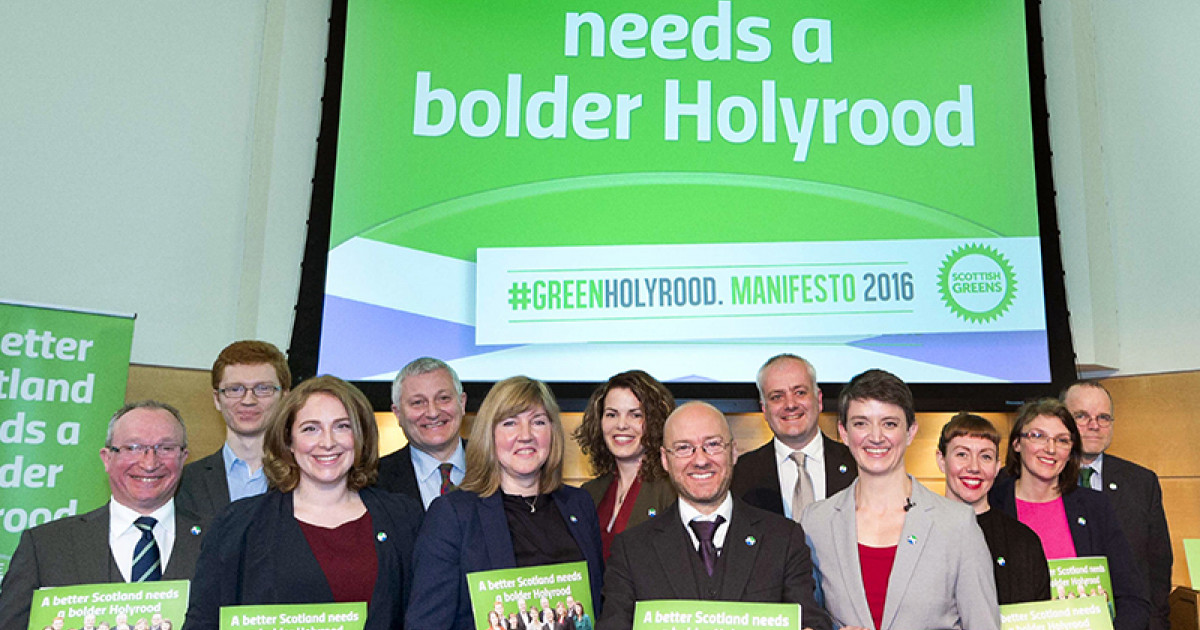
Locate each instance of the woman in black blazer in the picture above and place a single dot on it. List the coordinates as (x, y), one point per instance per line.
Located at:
(308, 539)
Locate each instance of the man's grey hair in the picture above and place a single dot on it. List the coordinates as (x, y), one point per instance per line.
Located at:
(424, 365)
(145, 404)
(779, 358)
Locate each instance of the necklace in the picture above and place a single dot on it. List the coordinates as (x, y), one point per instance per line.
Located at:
(532, 503)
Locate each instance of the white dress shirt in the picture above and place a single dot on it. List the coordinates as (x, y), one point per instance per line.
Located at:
(687, 514)
(123, 536)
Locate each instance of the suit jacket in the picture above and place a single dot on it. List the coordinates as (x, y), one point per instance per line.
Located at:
(74, 550)
(1095, 532)
(653, 498)
(256, 553)
(756, 476)
(396, 473)
(765, 559)
(1136, 497)
(203, 486)
(942, 576)
(464, 532)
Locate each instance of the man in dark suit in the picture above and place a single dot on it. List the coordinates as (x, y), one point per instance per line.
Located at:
(708, 545)
(248, 378)
(139, 535)
(429, 403)
(1134, 492)
(772, 477)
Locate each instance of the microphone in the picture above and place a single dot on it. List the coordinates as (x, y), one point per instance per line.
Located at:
(908, 504)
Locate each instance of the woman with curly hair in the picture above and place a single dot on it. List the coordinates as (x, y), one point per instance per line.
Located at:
(621, 435)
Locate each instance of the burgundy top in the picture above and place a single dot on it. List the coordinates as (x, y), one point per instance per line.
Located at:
(1049, 521)
(343, 552)
(876, 565)
(605, 511)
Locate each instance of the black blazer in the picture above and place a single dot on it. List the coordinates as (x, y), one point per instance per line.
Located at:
(203, 487)
(1136, 496)
(1095, 532)
(765, 559)
(74, 550)
(256, 553)
(464, 532)
(756, 476)
(396, 473)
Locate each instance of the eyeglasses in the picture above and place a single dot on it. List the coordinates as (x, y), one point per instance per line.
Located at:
(261, 390)
(138, 450)
(1041, 439)
(1083, 417)
(683, 450)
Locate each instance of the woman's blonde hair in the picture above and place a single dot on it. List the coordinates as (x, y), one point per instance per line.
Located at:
(508, 398)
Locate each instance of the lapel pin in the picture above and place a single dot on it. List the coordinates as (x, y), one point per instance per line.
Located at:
(842, 469)
(574, 519)
(652, 512)
(1112, 486)
(1000, 560)
(1082, 521)
(912, 540)
(195, 530)
(381, 536)
(751, 541)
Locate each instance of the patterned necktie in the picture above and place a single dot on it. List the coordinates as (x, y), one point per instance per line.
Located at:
(802, 492)
(705, 530)
(147, 566)
(447, 485)
(1085, 476)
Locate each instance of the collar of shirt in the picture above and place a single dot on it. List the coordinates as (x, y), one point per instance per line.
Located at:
(241, 481)
(687, 514)
(1098, 476)
(815, 450)
(123, 536)
(429, 481)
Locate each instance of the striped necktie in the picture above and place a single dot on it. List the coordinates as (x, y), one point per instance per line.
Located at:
(147, 566)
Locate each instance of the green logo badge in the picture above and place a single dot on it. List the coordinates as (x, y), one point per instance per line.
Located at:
(977, 282)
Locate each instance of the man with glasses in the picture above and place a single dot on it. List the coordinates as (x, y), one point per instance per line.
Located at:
(709, 545)
(248, 378)
(1134, 492)
(139, 535)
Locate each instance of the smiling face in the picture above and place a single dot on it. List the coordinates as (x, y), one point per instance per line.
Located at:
(1046, 460)
(1093, 413)
(430, 412)
(247, 415)
(702, 480)
(622, 424)
(970, 465)
(877, 436)
(791, 402)
(147, 481)
(522, 446)
(323, 442)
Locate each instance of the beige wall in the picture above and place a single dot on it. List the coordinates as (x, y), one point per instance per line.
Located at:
(1153, 429)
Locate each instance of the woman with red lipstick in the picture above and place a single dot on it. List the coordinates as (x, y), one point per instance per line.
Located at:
(320, 533)
(511, 510)
(969, 454)
(621, 434)
(1042, 490)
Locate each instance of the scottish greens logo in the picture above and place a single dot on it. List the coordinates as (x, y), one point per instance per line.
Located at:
(977, 283)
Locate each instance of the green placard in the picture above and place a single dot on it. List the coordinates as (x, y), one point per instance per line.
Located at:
(1077, 578)
(684, 614)
(114, 604)
(503, 590)
(62, 375)
(1076, 614)
(329, 616)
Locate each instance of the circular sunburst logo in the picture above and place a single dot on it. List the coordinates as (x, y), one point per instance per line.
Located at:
(977, 283)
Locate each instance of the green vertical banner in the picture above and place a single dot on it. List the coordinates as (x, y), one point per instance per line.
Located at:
(62, 374)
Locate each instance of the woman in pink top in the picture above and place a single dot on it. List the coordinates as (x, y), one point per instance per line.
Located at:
(1042, 490)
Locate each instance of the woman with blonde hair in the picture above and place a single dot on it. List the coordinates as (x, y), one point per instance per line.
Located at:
(511, 510)
(321, 533)
(621, 435)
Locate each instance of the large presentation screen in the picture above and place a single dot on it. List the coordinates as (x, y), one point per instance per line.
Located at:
(571, 189)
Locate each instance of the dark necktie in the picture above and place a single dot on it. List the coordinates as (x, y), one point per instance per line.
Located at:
(705, 530)
(447, 485)
(147, 567)
(1085, 476)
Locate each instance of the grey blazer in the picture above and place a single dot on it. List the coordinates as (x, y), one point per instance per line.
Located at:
(74, 550)
(942, 577)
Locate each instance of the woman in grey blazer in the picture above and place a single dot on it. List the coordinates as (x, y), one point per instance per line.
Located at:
(890, 554)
